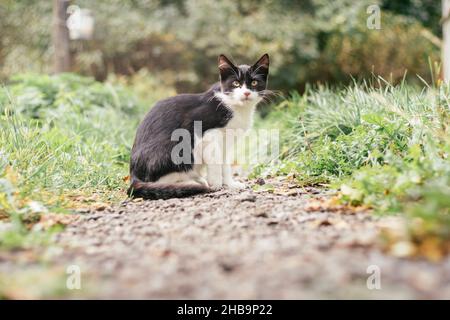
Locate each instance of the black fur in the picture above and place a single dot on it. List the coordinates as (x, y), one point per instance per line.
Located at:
(151, 152)
(153, 191)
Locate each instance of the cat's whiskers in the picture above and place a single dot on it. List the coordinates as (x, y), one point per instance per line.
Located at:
(215, 96)
(211, 99)
(220, 103)
(273, 92)
(270, 95)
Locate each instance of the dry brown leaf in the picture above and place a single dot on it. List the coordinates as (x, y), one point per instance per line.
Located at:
(48, 220)
(319, 204)
(286, 192)
(432, 249)
(402, 249)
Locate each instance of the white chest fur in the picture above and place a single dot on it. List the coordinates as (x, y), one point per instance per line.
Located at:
(243, 110)
(242, 117)
(217, 145)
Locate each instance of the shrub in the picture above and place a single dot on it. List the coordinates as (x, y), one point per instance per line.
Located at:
(386, 147)
(63, 136)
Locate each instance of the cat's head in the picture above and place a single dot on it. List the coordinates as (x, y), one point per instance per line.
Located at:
(243, 85)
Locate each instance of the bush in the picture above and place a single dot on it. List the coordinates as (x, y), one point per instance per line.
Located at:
(309, 41)
(43, 96)
(402, 47)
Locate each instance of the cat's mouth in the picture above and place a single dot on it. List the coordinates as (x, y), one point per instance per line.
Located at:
(248, 98)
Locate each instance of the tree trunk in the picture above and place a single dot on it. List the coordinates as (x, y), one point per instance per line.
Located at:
(60, 37)
(446, 38)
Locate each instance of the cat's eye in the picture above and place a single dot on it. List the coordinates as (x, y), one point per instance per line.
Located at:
(236, 83)
(254, 83)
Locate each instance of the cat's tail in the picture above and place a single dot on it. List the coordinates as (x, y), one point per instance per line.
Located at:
(155, 190)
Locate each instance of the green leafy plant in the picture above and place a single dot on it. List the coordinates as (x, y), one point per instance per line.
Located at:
(62, 136)
(382, 146)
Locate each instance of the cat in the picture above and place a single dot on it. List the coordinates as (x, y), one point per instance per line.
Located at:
(228, 104)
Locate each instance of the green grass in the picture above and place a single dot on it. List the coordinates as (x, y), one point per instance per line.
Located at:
(65, 142)
(386, 147)
(62, 138)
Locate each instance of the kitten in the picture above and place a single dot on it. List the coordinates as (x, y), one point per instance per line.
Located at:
(155, 168)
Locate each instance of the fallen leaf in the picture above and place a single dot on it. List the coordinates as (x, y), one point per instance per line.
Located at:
(432, 249)
(285, 192)
(402, 249)
(329, 204)
(48, 220)
(263, 188)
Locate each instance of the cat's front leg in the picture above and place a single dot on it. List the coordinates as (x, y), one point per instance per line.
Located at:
(214, 176)
(229, 156)
(213, 158)
(228, 178)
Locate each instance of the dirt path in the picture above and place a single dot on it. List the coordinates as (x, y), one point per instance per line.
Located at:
(240, 245)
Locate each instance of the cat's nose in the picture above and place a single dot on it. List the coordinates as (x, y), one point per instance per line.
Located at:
(247, 93)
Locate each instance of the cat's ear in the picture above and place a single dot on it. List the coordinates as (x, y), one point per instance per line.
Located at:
(225, 63)
(226, 67)
(262, 64)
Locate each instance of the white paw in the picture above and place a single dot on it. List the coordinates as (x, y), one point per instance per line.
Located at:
(215, 184)
(202, 181)
(235, 185)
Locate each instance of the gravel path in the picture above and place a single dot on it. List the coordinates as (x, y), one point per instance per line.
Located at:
(241, 244)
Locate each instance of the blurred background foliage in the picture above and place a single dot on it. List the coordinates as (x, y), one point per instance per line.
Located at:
(308, 40)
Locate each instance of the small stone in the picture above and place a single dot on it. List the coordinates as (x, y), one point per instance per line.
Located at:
(227, 266)
(260, 181)
(325, 223)
(249, 198)
(260, 213)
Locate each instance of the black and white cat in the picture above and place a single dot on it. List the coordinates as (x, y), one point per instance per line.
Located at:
(228, 104)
